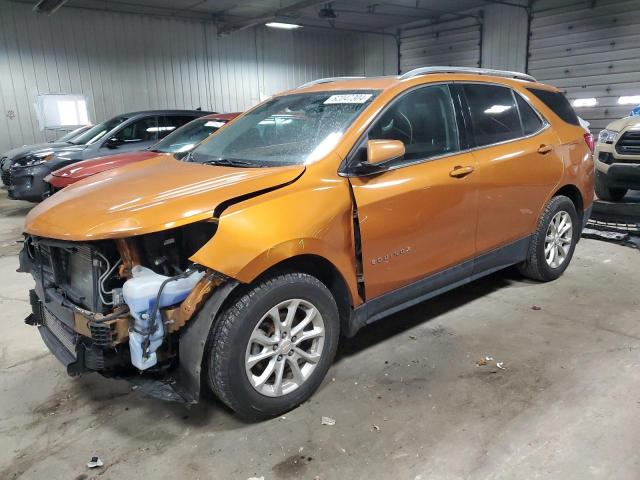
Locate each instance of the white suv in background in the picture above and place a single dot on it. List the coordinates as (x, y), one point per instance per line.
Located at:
(617, 159)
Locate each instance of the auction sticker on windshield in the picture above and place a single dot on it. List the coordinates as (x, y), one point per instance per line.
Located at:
(348, 98)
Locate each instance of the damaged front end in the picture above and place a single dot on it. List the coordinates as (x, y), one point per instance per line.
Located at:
(125, 308)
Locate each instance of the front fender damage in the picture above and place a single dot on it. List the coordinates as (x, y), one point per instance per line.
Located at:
(184, 383)
(193, 342)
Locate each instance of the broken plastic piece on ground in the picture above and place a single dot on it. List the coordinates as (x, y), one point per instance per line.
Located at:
(95, 462)
(483, 361)
(328, 421)
(375, 428)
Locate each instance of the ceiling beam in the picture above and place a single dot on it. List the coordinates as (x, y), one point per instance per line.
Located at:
(508, 4)
(377, 13)
(433, 12)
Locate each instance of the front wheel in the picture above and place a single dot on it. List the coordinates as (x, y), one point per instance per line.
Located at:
(270, 349)
(553, 242)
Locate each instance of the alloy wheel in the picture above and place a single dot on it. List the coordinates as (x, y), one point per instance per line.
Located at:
(558, 239)
(285, 347)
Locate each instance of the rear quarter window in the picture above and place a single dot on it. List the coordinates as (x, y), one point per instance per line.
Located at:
(557, 103)
(531, 122)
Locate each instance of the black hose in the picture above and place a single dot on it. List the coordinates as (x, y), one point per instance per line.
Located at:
(156, 307)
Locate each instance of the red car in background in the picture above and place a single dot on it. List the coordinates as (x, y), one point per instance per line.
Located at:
(184, 139)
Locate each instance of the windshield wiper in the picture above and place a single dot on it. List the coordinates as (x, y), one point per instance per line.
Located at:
(230, 162)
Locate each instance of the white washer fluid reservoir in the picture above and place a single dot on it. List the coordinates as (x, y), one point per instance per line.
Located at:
(140, 293)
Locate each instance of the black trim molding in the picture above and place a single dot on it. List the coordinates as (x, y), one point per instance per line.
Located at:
(437, 283)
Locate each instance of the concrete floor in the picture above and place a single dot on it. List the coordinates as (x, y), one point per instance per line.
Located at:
(409, 400)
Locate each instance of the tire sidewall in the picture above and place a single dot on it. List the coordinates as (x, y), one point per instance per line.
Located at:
(559, 204)
(254, 402)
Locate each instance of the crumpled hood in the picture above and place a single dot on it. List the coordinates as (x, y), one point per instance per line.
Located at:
(90, 167)
(145, 197)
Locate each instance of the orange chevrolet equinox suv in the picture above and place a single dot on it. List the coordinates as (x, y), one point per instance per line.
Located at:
(317, 212)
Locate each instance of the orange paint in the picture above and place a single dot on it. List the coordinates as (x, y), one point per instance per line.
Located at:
(414, 220)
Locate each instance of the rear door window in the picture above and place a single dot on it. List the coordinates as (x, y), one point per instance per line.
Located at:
(143, 130)
(494, 114)
(557, 103)
(531, 122)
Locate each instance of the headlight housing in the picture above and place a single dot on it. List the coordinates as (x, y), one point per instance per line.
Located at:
(607, 136)
(33, 159)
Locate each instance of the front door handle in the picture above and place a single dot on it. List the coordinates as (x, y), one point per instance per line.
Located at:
(544, 149)
(461, 171)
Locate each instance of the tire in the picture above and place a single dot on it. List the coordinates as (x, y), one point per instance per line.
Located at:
(229, 350)
(606, 193)
(537, 266)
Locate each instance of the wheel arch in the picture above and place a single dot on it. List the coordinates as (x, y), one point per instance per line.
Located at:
(325, 271)
(573, 193)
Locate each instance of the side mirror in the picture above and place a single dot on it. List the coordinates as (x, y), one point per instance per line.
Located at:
(379, 151)
(113, 142)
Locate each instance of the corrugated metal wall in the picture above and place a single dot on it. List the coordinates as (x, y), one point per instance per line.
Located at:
(455, 43)
(125, 62)
(504, 44)
(589, 52)
(372, 54)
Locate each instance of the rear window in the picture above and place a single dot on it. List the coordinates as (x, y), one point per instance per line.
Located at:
(558, 104)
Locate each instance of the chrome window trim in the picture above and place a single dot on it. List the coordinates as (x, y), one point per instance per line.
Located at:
(544, 126)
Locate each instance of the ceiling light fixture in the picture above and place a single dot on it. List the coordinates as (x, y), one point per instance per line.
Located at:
(629, 100)
(584, 102)
(497, 109)
(284, 26)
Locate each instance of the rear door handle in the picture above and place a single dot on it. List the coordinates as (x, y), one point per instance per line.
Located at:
(461, 171)
(544, 149)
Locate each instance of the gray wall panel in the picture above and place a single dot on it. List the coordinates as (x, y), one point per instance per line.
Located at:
(458, 43)
(125, 62)
(505, 38)
(455, 43)
(589, 53)
(372, 55)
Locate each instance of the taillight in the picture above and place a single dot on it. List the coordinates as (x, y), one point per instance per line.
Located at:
(588, 138)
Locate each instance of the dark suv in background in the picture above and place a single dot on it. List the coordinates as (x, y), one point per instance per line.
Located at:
(124, 133)
(8, 157)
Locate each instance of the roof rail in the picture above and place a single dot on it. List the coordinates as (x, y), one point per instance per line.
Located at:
(478, 71)
(318, 81)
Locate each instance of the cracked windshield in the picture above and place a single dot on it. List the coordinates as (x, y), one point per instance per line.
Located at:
(289, 130)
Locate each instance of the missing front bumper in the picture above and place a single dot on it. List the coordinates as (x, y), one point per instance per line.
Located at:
(178, 379)
(78, 353)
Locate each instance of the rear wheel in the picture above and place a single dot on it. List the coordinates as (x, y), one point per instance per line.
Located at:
(606, 193)
(553, 242)
(269, 351)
